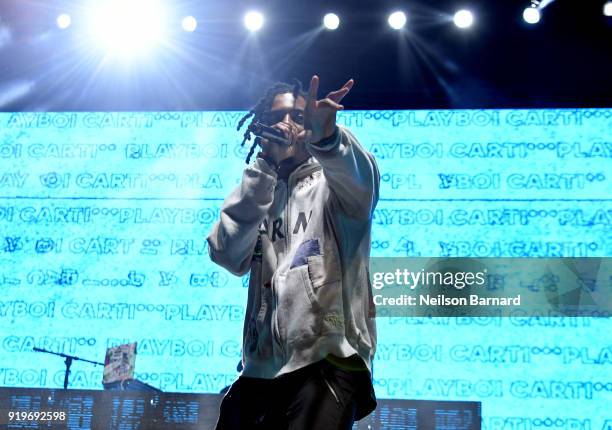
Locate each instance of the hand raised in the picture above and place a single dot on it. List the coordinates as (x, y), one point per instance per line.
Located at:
(320, 115)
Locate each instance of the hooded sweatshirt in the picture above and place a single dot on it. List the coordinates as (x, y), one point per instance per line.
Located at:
(306, 241)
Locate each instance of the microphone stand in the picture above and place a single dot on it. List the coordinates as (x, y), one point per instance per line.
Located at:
(67, 362)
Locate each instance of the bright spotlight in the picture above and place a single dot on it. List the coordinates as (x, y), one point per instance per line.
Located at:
(331, 21)
(253, 21)
(463, 19)
(127, 27)
(607, 10)
(189, 23)
(63, 21)
(397, 20)
(531, 15)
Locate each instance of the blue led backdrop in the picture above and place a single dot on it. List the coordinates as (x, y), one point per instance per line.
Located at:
(104, 216)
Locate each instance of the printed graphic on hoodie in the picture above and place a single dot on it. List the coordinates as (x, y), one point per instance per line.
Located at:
(276, 230)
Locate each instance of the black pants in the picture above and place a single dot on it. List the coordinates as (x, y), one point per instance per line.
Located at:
(319, 396)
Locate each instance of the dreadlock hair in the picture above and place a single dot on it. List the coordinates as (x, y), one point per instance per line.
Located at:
(264, 104)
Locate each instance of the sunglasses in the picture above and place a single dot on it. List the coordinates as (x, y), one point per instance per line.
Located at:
(276, 116)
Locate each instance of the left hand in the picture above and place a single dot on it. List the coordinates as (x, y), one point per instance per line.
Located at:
(320, 115)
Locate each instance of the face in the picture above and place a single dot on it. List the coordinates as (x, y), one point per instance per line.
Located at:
(287, 115)
(287, 110)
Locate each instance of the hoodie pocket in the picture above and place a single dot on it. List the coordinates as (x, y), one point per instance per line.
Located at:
(298, 318)
(323, 283)
(322, 272)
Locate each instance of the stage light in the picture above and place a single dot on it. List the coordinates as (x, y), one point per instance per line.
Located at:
(63, 21)
(331, 21)
(189, 23)
(531, 15)
(127, 27)
(397, 20)
(607, 9)
(253, 21)
(463, 18)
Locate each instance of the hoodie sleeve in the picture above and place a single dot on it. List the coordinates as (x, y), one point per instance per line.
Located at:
(351, 172)
(233, 237)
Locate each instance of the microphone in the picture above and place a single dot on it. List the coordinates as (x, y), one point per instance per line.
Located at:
(265, 131)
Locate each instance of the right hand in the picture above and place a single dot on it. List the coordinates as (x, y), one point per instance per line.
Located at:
(279, 152)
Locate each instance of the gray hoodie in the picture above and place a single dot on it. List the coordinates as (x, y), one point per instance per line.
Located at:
(306, 243)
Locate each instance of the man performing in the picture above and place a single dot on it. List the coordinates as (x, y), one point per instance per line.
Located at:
(300, 222)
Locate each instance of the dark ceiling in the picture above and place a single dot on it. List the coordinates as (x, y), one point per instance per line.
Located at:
(563, 61)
